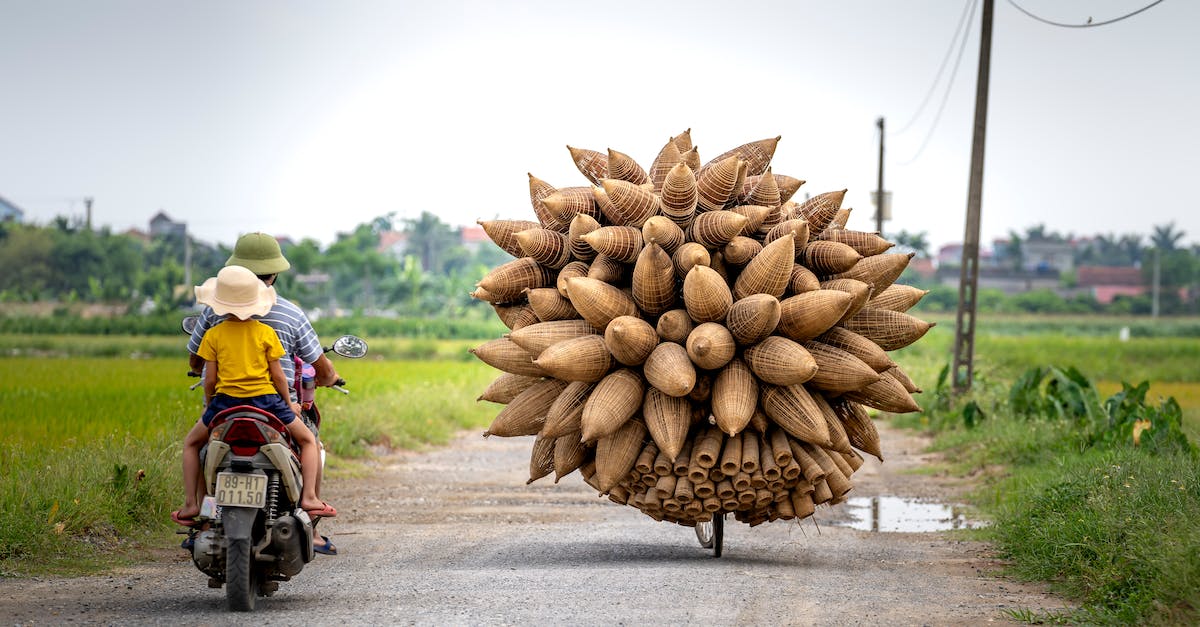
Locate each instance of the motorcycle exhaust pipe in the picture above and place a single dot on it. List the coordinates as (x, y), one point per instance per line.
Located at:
(288, 541)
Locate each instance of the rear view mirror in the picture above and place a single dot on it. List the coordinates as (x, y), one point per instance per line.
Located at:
(189, 323)
(350, 346)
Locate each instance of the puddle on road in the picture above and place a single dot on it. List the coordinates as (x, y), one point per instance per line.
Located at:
(896, 514)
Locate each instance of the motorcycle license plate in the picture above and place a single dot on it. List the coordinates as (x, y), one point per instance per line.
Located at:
(235, 489)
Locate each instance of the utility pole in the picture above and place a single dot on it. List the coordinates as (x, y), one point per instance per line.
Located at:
(968, 283)
(879, 183)
(87, 203)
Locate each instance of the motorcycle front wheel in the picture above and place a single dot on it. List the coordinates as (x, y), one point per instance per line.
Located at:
(241, 586)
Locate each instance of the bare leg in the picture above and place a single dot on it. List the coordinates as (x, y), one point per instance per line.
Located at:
(310, 464)
(193, 482)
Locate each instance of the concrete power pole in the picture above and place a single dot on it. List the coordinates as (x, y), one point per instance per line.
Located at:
(964, 330)
(87, 203)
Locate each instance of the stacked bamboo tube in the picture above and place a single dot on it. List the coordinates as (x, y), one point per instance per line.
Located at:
(692, 340)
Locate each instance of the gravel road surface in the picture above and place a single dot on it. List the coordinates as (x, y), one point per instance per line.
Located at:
(455, 537)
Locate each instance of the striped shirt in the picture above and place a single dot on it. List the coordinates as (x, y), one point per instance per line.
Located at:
(291, 325)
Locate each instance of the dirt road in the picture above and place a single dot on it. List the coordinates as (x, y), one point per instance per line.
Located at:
(454, 536)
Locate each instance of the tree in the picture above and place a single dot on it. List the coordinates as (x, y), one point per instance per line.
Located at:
(1014, 252)
(429, 239)
(913, 242)
(1165, 237)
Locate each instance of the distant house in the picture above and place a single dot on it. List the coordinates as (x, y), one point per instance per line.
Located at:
(161, 225)
(1105, 283)
(471, 237)
(137, 234)
(10, 212)
(1041, 255)
(392, 243)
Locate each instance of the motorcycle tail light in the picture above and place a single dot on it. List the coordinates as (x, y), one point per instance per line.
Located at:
(244, 437)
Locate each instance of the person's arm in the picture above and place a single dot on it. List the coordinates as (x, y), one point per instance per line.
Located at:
(195, 362)
(281, 385)
(326, 374)
(210, 380)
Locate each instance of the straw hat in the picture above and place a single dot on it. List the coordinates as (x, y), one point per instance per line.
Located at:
(236, 291)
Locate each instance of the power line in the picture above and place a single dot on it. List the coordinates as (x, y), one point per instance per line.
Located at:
(945, 96)
(962, 21)
(1088, 24)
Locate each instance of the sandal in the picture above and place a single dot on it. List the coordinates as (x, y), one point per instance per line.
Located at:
(185, 522)
(325, 549)
(326, 511)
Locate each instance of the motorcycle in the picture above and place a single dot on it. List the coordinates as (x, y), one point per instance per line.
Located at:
(252, 533)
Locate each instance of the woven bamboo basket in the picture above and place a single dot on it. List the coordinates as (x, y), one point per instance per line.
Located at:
(632, 205)
(654, 281)
(581, 225)
(751, 449)
(715, 228)
(802, 280)
(501, 233)
(717, 263)
(710, 346)
(898, 297)
(777, 440)
(607, 270)
(573, 269)
(598, 302)
(679, 196)
(734, 397)
(788, 186)
(569, 454)
(820, 210)
(756, 154)
(859, 293)
(622, 243)
(838, 371)
(878, 271)
(755, 216)
(630, 339)
(859, 346)
(507, 281)
(706, 295)
(515, 316)
(761, 190)
(811, 470)
(769, 271)
(548, 248)
(538, 191)
(773, 219)
(824, 257)
(549, 305)
(669, 369)
(867, 244)
(662, 231)
(691, 157)
(541, 459)
(504, 388)
(526, 414)
(706, 450)
(591, 163)
(689, 255)
(886, 394)
(622, 167)
(504, 354)
(891, 330)
(793, 409)
(838, 483)
(583, 358)
(674, 326)
(909, 385)
(668, 157)
(860, 429)
(536, 338)
(837, 434)
(616, 398)
(566, 411)
(731, 460)
(667, 419)
(805, 316)
(716, 183)
(780, 361)
(797, 227)
(566, 203)
(740, 250)
(481, 294)
(616, 453)
(753, 318)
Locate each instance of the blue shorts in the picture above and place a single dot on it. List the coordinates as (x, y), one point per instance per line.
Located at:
(268, 402)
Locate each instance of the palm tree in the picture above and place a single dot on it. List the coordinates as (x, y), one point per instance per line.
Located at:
(1165, 237)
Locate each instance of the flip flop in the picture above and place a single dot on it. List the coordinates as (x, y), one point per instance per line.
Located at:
(185, 522)
(327, 511)
(325, 549)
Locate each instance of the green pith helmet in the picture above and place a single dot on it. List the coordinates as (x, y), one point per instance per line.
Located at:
(259, 253)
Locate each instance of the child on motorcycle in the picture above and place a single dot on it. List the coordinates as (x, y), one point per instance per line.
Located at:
(242, 368)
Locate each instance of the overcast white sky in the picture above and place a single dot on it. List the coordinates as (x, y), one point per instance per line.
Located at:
(306, 118)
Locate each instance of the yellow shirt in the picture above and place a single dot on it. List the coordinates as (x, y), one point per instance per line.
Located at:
(243, 350)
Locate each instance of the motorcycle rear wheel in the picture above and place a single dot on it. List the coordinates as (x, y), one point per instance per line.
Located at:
(241, 586)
